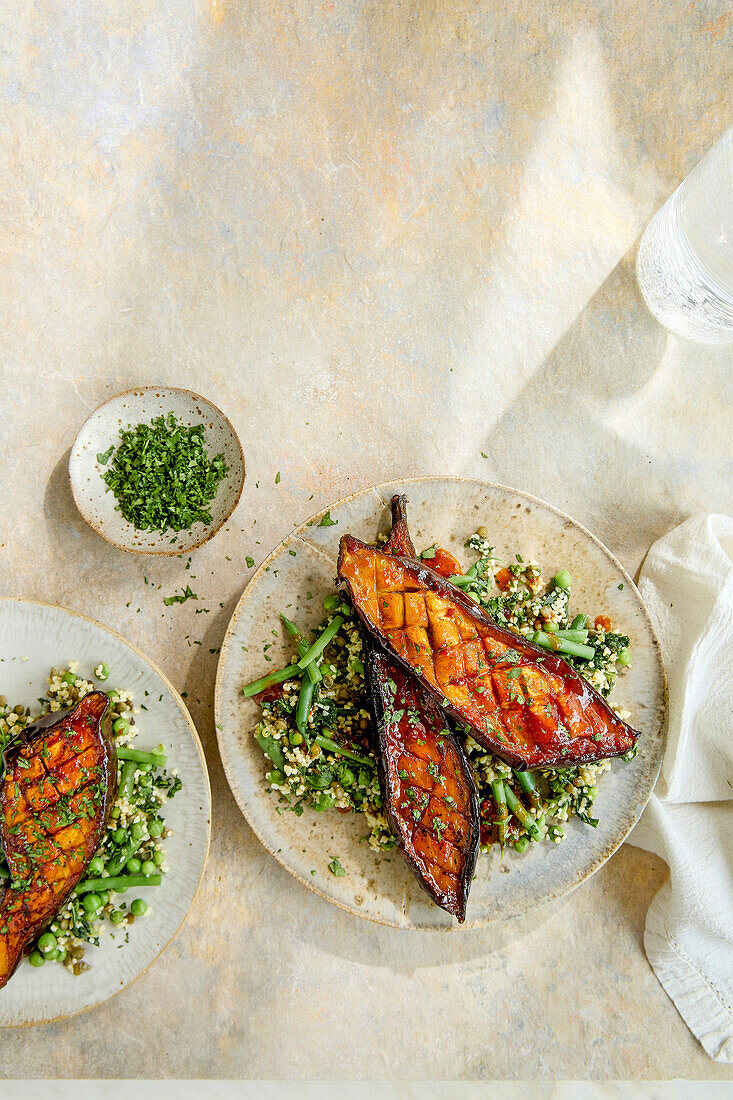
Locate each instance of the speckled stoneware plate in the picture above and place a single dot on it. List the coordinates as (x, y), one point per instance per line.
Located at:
(446, 510)
(102, 429)
(34, 637)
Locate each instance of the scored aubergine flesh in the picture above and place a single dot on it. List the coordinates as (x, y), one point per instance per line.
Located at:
(428, 788)
(55, 801)
(526, 705)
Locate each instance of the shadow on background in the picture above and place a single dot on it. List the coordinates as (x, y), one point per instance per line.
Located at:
(600, 415)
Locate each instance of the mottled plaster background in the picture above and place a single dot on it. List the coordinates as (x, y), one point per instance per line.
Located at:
(383, 237)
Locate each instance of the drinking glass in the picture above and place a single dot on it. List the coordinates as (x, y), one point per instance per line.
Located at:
(685, 260)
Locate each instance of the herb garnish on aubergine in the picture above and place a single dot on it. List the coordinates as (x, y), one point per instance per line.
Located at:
(55, 800)
(427, 783)
(526, 705)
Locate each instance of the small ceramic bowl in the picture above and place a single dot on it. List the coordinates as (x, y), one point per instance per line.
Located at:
(97, 503)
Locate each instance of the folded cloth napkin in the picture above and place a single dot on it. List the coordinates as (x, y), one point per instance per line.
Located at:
(687, 584)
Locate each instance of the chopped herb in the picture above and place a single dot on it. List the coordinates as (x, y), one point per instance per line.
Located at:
(336, 869)
(162, 477)
(326, 521)
(185, 594)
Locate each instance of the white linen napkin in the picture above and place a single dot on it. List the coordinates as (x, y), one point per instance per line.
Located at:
(687, 584)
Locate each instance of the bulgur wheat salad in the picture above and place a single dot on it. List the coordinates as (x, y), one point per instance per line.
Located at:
(315, 728)
(132, 853)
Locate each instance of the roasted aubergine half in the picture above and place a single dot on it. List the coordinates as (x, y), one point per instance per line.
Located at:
(524, 704)
(55, 800)
(427, 785)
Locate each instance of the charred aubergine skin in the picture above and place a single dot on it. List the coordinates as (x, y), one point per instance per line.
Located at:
(427, 784)
(429, 792)
(55, 801)
(527, 706)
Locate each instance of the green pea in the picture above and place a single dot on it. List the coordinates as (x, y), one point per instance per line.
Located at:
(295, 738)
(119, 836)
(158, 857)
(51, 956)
(138, 908)
(117, 916)
(276, 777)
(104, 896)
(121, 725)
(145, 768)
(563, 579)
(156, 827)
(102, 671)
(624, 657)
(47, 942)
(148, 867)
(133, 865)
(115, 813)
(96, 866)
(36, 958)
(114, 697)
(138, 830)
(61, 954)
(69, 678)
(331, 602)
(92, 903)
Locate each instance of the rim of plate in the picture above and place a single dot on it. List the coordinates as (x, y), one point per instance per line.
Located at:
(209, 534)
(197, 742)
(225, 645)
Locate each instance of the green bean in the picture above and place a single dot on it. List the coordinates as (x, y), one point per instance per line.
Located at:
(115, 865)
(118, 883)
(563, 645)
(523, 817)
(303, 708)
(157, 759)
(573, 635)
(499, 793)
(292, 672)
(127, 781)
(332, 746)
(313, 671)
(580, 622)
(320, 643)
(525, 779)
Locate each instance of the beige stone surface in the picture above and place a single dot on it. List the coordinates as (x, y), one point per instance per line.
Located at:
(383, 238)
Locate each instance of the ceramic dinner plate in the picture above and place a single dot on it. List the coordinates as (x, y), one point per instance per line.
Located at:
(300, 573)
(33, 638)
(101, 431)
